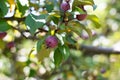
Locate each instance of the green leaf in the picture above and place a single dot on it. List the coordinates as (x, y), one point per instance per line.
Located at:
(77, 27)
(2, 44)
(49, 6)
(44, 52)
(3, 8)
(66, 52)
(88, 31)
(42, 16)
(32, 73)
(70, 40)
(81, 2)
(79, 10)
(39, 44)
(4, 26)
(21, 8)
(33, 24)
(54, 17)
(62, 27)
(57, 57)
(95, 20)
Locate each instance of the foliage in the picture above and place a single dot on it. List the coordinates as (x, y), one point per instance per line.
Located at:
(29, 23)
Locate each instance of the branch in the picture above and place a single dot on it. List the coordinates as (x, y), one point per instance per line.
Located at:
(13, 18)
(91, 50)
(22, 33)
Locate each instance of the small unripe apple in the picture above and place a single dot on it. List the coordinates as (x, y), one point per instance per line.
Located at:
(10, 44)
(2, 35)
(51, 41)
(102, 70)
(81, 17)
(94, 33)
(84, 36)
(65, 6)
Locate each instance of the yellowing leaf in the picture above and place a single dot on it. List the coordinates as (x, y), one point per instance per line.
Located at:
(44, 52)
(11, 1)
(12, 4)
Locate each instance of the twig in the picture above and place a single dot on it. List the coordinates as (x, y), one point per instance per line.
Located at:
(91, 50)
(13, 18)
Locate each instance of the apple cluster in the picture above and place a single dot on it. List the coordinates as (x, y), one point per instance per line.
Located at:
(52, 41)
(65, 6)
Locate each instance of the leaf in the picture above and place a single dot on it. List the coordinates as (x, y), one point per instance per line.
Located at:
(77, 27)
(57, 57)
(2, 44)
(81, 2)
(70, 40)
(79, 10)
(3, 8)
(66, 52)
(42, 16)
(32, 73)
(39, 44)
(33, 24)
(54, 17)
(21, 8)
(95, 20)
(49, 6)
(4, 26)
(89, 32)
(12, 4)
(44, 52)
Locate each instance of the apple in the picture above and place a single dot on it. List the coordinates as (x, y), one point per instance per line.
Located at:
(2, 35)
(65, 6)
(10, 44)
(103, 70)
(51, 41)
(81, 17)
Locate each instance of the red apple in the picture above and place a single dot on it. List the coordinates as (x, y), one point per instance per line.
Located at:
(65, 6)
(81, 17)
(2, 35)
(51, 41)
(10, 44)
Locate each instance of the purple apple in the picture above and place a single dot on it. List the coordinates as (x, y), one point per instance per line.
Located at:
(2, 35)
(65, 6)
(10, 44)
(102, 70)
(81, 17)
(51, 41)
